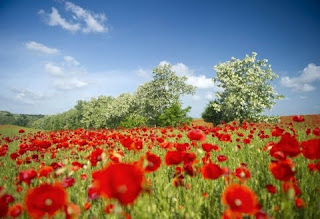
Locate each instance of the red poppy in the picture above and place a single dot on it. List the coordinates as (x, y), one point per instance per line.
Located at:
(298, 118)
(96, 156)
(311, 149)
(93, 193)
(271, 188)
(240, 199)
(243, 173)
(300, 203)
(196, 135)
(21, 131)
(67, 182)
(154, 162)
(287, 146)
(174, 157)
(211, 171)
(225, 138)
(316, 132)
(3, 208)
(45, 199)
(221, 158)
(27, 175)
(45, 171)
(209, 147)
(120, 181)
(15, 210)
(282, 170)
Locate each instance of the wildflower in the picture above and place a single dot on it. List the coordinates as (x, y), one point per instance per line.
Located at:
(45, 199)
(240, 199)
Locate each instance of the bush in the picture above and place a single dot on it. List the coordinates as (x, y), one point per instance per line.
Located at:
(132, 121)
(174, 116)
(211, 115)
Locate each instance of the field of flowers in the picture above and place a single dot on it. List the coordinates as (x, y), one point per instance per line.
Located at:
(227, 171)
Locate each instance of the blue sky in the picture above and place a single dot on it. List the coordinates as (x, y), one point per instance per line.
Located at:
(54, 53)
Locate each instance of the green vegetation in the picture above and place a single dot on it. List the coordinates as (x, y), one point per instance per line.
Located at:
(18, 119)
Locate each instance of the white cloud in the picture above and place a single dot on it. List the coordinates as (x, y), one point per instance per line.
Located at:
(40, 48)
(81, 19)
(70, 84)
(196, 97)
(200, 81)
(142, 73)
(71, 61)
(55, 19)
(303, 82)
(209, 96)
(53, 69)
(27, 96)
(94, 22)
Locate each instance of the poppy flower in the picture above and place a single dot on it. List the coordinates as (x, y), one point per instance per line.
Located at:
(271, 189)
(3, 208)
(211, 171)
(27, 175)
(67, 182)
(221, 158)
(196, 135)
(311, 149)
(96, 156)
(174, 157)
(45, 171)
(298, 118)
(15, 210)
(240, 199)
(120, 181)
(287, 146)
(209, 147)
(300, 203)
(243, 173)
(21, 131)
(282, 170)
(154, 162)
(45, 199)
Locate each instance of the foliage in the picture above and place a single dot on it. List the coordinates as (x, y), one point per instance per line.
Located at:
(211, 115)
(154, 97)
(132, 121)
(17, 119)
(174, 116)
(246, 89)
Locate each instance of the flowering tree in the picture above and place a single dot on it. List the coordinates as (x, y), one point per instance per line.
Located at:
(246, 89)
(156, 96)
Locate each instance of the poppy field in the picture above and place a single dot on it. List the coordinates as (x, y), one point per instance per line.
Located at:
(249, 170)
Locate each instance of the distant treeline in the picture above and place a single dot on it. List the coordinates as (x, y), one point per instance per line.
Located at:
(25, 120)
(155, 103)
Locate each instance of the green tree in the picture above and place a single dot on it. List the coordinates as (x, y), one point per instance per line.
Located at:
(175, 116)
(154, 97)
(246, 89)
(211, 115)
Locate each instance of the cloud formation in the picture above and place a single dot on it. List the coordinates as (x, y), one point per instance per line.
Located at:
(200, 81)
(303, 83)
(81, 19)
(27, 96)
(32, 45)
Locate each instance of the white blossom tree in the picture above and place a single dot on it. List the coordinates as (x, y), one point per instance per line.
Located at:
(246, 89)
(154, 97)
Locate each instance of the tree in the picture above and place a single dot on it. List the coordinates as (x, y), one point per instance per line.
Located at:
(175, 116)
(154, 97)
(211, 115)
(246, 89)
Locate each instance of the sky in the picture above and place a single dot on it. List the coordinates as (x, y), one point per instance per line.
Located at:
(55, 52)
